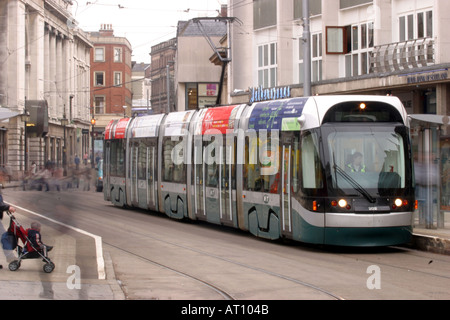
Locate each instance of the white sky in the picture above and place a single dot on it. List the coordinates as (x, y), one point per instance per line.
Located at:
(143, 22)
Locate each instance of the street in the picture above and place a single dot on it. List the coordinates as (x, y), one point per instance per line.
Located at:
(154, 257)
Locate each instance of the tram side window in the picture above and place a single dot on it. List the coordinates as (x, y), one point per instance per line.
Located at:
(261, 169)
(296, 164)
(117, 158)
(252, 172)
(142, 161)
(269, 162)
(312, 174)
(174, 168)
(212, 175)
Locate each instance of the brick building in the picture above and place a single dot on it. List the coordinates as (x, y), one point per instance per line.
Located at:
(110, 77)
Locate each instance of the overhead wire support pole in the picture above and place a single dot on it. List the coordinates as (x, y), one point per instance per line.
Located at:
(306, 50)
(223, 54)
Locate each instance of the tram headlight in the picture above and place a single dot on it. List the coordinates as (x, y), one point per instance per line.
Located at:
(342, 203)
(399, 202)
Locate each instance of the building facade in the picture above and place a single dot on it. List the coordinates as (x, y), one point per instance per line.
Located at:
(197, 79)
(381, 47)
(162, 73)
(110, 85)
(141, 86)
(44, 63)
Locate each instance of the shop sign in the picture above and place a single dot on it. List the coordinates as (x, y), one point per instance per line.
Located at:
(438, 75)
(260, 94)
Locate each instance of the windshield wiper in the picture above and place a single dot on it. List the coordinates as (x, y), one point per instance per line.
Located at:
(355, 184)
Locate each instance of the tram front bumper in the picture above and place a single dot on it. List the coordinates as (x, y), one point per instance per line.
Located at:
(368, 229)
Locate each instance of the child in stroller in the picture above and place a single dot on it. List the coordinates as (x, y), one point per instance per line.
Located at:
(34, 235)
(33, 248)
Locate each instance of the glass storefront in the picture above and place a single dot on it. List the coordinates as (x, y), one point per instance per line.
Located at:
(201, 95)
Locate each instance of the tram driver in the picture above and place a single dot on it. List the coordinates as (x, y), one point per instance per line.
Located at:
(356, 164)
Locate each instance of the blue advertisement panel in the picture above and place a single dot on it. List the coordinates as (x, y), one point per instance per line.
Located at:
(277, 115)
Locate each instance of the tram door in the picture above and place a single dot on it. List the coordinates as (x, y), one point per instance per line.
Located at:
(199, 179)
(286, 188)
(152, 176)
(107, 171)
(134, 156)
(218, 186)
(142, 173)
(226, 183)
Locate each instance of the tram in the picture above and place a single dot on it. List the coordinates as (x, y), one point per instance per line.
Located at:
(333, 170)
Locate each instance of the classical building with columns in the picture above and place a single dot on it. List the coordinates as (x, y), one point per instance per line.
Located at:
(44, 73)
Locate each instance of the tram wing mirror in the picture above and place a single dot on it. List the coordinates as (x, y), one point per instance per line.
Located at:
(301, 120)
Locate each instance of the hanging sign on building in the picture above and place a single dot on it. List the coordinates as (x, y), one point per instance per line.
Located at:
(261, 94)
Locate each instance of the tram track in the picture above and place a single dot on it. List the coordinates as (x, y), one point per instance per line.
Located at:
(221, 292)
(209, 284)
(404, 251)
(194, 245)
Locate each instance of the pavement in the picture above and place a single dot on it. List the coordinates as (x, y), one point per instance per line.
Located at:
(30, 282)
(432, 240)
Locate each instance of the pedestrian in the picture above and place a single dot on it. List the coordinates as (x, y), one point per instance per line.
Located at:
(7, 251)
(87, 180)
(77, 162)
(33, 168)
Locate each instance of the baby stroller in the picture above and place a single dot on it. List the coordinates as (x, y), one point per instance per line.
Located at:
(28, 251)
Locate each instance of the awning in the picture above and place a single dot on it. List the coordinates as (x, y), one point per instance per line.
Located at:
(5, 113)
(430, 119)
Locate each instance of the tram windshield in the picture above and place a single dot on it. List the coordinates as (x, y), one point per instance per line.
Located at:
(368, 161)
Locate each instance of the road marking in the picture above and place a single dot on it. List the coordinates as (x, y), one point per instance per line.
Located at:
(97, 239)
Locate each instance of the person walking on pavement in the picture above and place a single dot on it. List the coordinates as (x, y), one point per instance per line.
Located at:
(77, 162)
(5, 207)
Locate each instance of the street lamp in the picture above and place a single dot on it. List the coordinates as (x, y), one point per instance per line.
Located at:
(25, 117)
(64, 123)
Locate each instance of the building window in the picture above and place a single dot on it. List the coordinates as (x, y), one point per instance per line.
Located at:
(117, 54)
(315, 8)
(344, 4)
(267, 65)
(99, 104)
(361, 43)
(416, 25)
(99, 55)
(118, 79)
(316, 58)
(207, 94)
(264, 13)
(99, 78)
(191, 96)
